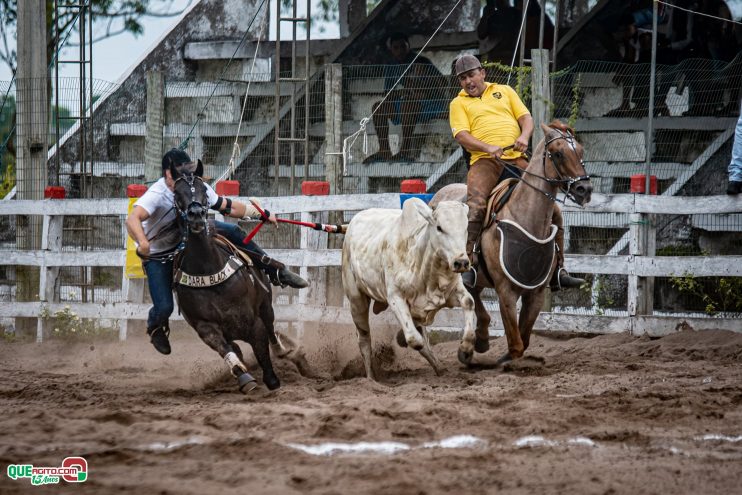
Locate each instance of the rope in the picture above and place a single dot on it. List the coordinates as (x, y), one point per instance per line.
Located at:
(236, 147)
(364, 121)
(517, 43)
(183, 145)
(698, 13)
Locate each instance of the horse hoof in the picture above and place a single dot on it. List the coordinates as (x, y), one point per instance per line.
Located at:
(272, 384)
(246, 383)
(481, 345)
(401, 340)
(465, 357)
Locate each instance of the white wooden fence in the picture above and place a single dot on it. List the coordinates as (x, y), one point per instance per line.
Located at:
(639, 264)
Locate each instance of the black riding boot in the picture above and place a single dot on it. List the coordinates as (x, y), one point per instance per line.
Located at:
(282, 277)
(563, 280)
(159, 338)
(470, 277)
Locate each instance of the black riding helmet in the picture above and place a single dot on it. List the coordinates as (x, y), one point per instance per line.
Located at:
(176, 157)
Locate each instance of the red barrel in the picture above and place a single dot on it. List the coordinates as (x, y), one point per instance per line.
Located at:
(228, 188)
(315, 188)
(135, 190)
(54, 192)
(413, 186)
(638, 183)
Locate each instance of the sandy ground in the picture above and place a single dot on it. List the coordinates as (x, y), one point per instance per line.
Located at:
(608, 414)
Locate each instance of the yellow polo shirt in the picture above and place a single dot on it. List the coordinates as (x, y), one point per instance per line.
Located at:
(492, 118)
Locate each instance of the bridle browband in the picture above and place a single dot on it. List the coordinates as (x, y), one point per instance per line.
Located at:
(189, 178)
(563, 181)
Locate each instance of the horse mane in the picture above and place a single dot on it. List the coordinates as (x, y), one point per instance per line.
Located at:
(560, 126)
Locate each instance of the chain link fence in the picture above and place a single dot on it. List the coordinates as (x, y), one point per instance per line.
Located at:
(228, 124)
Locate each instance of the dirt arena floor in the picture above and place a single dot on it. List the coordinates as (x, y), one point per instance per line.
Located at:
(602, 415)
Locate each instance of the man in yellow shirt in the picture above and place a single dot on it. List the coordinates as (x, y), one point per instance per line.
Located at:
(485, 118)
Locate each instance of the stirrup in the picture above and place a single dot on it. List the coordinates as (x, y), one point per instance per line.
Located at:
(159, 338)
(469, 278)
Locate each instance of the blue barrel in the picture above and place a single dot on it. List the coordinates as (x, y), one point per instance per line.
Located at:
(426, 197)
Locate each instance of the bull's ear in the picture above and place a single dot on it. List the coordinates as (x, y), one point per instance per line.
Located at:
(426, 213)
(199, 168)
(420, 210)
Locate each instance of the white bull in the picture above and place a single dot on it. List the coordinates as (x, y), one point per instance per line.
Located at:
(409, 260)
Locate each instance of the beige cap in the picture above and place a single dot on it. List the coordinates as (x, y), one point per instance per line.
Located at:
(466, 63)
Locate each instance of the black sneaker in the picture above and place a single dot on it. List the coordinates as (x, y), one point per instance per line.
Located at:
(469, 278)
(159, 338)
(287, 277)
(734, 187)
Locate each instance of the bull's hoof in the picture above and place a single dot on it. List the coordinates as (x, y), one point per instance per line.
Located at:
(505, 358)
(465, 357)
(246, 382)
(481, 345)
(401, 340)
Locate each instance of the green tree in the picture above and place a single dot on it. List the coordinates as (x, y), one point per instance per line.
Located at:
(110, 18)
(7, 153)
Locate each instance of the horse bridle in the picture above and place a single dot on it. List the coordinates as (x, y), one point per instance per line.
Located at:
(563, 181)
(189, 178)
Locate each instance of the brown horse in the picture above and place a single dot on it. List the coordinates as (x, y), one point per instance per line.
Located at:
(556, 165)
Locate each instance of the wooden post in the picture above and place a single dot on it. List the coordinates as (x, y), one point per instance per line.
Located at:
(155, 119)
(334, 168)
(32, 123)
(51, 240)
(540, 93)
(642, 242)
(540, 98)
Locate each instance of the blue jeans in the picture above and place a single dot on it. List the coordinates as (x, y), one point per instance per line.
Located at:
(160, 281)
(160, 277)
(735, 166)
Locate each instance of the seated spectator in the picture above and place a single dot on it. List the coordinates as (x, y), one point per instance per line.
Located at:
(417, 97)
(499, 26)
(634, 39)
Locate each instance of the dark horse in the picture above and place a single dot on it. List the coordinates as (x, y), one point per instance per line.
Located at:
(223, 297)
(556, 165)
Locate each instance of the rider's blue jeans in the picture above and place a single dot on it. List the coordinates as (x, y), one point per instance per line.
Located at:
(160, 277)
(160, 281)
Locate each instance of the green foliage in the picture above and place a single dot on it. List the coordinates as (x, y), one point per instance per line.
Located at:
(603, 299)
(7, 160)
(719, 295)
(522, 77)
(7, 181)
(113, 17)
(574, 109)
(69, 326)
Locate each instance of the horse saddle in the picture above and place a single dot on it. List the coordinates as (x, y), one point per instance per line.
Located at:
(526, 261)
(497, 199)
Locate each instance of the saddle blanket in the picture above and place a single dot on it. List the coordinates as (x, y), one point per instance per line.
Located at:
(526, 261)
